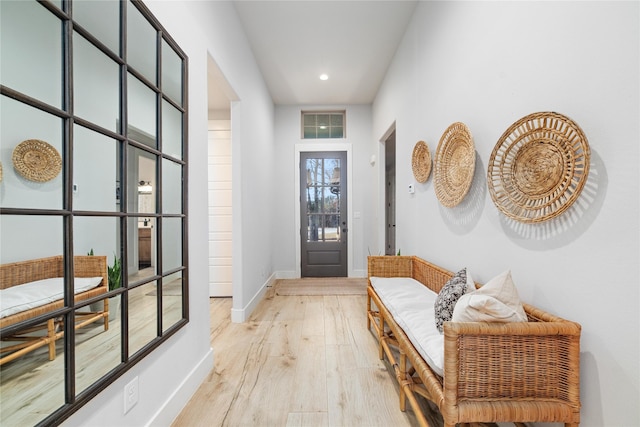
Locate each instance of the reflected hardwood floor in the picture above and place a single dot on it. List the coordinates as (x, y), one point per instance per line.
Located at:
(298, 361)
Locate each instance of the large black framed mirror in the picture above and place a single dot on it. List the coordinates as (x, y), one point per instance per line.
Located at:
(93, 200)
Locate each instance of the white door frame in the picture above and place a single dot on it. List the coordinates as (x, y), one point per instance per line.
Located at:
(318, 146)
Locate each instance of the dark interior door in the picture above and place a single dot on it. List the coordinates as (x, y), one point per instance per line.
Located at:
(323, 211)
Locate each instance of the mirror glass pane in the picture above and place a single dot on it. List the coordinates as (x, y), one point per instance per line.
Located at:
(31, 377)
(142, 112)
(171, 187)
(143, 316)
(98, 342)
(35, 379)
(171, 243)
(31, 50)
(171, 73)
(21, 123)
(171, 130)
(96, 83)
(95, 173)
(142, 181)
(141, 43)
(142, 248)
(171, 300)
(101, 19)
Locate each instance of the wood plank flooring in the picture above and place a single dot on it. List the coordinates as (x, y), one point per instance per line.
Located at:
(298, 361)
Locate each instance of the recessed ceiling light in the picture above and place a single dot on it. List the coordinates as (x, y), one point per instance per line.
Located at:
(324, 77)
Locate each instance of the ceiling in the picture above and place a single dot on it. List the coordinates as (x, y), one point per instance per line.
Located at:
(352, 42)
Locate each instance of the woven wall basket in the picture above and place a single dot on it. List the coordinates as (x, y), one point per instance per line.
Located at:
(421, 161)
(36, 160)
(454, 165)
(538, 167)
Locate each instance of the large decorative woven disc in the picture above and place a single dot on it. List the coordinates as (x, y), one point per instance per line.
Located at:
(538, 167)
(421, 161)
(454, 165)
(37, 160)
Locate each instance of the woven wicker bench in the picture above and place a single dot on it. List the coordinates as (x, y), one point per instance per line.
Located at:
(493, 372)
(45, 334)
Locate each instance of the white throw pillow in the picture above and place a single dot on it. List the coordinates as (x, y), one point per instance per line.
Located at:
(496, 301)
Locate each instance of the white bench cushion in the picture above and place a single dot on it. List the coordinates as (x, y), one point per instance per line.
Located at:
(40, 292)
(412, 306)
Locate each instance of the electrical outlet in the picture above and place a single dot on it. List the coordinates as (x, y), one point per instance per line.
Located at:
(130, 395)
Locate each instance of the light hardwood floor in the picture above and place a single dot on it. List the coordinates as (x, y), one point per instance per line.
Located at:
(298, 361)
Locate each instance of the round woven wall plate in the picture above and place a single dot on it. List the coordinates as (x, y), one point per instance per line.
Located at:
(421, 161)
(454, 165)
(538, 167)
(36, 160)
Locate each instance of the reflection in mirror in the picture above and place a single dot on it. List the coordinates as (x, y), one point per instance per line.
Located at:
(96, 82)
(171, 243)
(97, 351)
(141, 168)
(102, 19)
(142, 112)
(171, 73)
(171, 187)
(143, 316)
(171, 130)
(21, 122)
(31, 379)
(141, 43)
(95, 173)
(171, 300)
(142, 247)
(30, 49)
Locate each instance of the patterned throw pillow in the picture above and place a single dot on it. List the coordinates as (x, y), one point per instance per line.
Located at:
(448, 297)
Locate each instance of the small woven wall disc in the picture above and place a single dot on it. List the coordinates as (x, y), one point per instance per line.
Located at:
(454, 165)
(538, 167)
(36, 160)
(421, 161)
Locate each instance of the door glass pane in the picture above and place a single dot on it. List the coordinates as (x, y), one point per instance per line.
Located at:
(323, 199)
(141, 43)
(96, 82)
(31, 51)
(38, 160)
(95, 173)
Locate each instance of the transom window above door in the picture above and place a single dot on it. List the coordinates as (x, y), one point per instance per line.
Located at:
(323, 124)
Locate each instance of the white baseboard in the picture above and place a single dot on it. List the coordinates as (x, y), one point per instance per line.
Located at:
(240, 315)
(180, 397)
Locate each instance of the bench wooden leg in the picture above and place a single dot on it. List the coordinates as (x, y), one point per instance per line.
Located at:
(401, 379)
(381, 338)
(106, 314)
(368, 311)
(51, 337)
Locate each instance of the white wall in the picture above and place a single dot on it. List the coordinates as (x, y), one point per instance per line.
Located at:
(488, 64)
(169, 376)
(287, 135)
